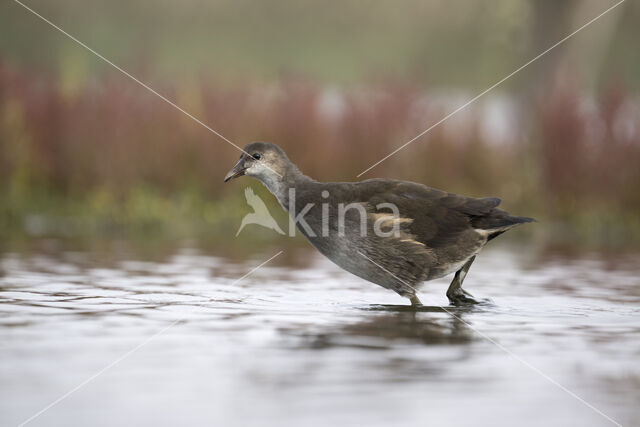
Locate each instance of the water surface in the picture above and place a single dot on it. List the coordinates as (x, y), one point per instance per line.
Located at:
(300, 342)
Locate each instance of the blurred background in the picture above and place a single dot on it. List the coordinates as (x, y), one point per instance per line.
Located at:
(86, 153)
(117, 234)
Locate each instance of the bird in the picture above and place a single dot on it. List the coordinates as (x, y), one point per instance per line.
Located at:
(396, 234)
(260, 214)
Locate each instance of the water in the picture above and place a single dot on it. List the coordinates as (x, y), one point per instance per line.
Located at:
(299, 342)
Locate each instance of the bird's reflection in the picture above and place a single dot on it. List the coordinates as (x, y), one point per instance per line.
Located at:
(386, 324)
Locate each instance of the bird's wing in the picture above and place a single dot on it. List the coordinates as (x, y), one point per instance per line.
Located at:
(249, 194)
(437, 218)
(255, 202)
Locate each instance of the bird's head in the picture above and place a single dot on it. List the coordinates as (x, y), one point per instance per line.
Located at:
(262, 160)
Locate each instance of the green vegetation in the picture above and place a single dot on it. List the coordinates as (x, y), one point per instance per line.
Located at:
(86, 152)
(106, 161)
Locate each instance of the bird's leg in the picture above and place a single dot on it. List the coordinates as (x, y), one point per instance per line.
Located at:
(455, 293)
(415, 301)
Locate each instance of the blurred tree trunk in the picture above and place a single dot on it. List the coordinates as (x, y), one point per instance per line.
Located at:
(554, 20)
(555, 88)
(551, 22)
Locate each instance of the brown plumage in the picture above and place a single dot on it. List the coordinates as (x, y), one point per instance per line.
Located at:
(432, 234)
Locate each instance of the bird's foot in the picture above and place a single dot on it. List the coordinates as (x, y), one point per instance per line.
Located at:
(462, 297)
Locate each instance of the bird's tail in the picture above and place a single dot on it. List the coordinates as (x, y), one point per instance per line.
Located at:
(499, 221)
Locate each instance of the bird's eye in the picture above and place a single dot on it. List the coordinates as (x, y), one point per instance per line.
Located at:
(256, 156)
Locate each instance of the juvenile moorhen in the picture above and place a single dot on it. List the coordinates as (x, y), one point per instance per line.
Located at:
(396, 234)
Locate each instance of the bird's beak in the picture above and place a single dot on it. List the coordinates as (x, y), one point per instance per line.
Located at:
(238, 170)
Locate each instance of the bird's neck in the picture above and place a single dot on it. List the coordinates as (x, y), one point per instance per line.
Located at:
(280, 186)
